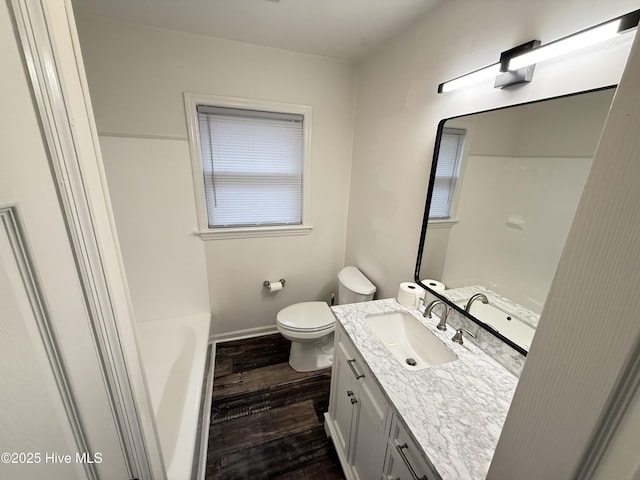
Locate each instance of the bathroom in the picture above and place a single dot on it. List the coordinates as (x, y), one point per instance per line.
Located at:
(374, 129)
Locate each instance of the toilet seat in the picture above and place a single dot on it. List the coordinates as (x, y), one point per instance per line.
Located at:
(306, 317)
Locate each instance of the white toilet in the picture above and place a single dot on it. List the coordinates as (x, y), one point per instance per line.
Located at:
(310, 325)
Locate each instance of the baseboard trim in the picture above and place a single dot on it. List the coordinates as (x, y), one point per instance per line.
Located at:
(242, 334)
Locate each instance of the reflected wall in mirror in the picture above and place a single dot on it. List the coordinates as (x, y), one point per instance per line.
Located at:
(505, 188)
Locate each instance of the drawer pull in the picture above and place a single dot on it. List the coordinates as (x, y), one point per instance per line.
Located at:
(353, 401)
(349, 393)
(353, 369)
(414, 475)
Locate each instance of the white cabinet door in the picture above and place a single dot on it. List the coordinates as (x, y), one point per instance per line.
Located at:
(396, 469)
(357, 413)
(404, 459)
(369, 440)
(343, 401)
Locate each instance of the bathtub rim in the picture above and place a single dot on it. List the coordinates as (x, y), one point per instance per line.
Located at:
(200, 323)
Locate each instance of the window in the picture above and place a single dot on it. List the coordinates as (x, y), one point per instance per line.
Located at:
(448, 166)
(251, 162)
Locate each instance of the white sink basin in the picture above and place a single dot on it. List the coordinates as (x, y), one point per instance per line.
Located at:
(408, 340)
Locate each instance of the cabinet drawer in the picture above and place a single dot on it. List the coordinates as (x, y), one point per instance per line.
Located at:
(405, 459)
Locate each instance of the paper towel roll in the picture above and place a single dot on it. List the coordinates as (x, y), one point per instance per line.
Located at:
(434, 284)
(409, 294)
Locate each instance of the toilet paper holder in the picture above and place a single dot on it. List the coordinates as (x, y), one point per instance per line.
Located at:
(267, 284)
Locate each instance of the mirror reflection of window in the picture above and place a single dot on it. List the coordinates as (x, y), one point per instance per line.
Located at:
(507, 192)
(447, 171)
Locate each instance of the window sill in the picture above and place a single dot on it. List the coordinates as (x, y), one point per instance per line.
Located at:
(450, 222)
(254, 232)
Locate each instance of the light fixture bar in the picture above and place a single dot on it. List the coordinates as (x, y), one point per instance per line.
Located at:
(566, 45)
(516, 65)
(470, 78)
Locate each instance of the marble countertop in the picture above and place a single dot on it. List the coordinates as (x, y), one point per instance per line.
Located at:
(454, 411)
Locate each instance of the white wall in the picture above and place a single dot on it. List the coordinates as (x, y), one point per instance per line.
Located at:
(398, 109)
(486, 248)
(152, 198)
(137, 76)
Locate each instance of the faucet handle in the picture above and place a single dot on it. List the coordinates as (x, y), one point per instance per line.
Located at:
(457, 338)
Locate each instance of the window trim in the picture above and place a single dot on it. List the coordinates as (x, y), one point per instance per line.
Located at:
(442, 223)
(191, 101)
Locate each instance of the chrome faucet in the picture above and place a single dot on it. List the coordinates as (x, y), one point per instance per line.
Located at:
(478, 296)
(443, 315)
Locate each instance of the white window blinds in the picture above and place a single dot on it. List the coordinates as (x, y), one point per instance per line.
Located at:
(447, 168)
(252, 163)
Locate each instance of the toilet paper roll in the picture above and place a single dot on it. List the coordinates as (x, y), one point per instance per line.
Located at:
(275, 286)
(409, 294)
(434, 284)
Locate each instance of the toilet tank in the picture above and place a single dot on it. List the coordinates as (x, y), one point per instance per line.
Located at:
(353, 286)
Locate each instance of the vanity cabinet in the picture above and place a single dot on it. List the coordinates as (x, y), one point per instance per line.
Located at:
(357, 415)
(370, 439)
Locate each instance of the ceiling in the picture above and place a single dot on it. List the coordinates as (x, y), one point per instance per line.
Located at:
(346, 29)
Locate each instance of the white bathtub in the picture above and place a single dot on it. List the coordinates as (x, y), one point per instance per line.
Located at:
(174, 354)
(504, 322)
(507, 317)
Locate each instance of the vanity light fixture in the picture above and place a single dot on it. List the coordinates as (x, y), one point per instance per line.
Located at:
(517, 64)
(469, 78)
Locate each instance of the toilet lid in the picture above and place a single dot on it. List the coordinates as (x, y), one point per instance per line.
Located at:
(306, 316)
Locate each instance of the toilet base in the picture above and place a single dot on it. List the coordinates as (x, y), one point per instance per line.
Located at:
(308, 357)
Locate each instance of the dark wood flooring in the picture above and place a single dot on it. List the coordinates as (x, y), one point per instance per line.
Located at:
(266, 418)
